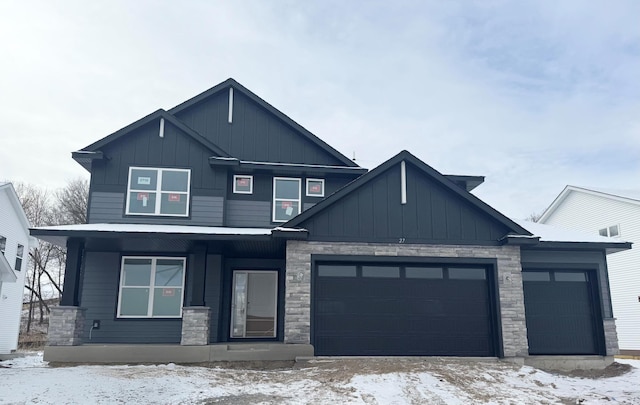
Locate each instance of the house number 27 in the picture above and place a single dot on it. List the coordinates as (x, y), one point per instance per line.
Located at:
(401, 240)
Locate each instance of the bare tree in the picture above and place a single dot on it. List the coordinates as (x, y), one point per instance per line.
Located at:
(534, 217)
(67, 205)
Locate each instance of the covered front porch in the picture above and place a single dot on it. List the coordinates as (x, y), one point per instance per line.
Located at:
(150, 293)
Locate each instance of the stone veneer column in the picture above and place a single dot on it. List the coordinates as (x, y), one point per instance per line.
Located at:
(509, 273)
(66, 326)
(196, 324)
(611, 336)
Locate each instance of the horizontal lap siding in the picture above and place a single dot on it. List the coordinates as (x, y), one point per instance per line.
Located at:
(100, 297)
(590, 213)
(109, 208)
(242, 213)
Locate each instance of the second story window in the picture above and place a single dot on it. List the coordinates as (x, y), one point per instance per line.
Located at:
(3, 244)
(154, 191)
(286, 198)
(242, 184)
(19, 255)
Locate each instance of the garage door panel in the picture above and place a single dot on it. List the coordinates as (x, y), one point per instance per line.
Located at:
(561, 317)
(403, 316)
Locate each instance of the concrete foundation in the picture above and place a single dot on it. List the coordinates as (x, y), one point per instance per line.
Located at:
(133, 354)
(568, 363)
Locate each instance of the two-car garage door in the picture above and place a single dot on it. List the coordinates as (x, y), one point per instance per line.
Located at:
(398, 309)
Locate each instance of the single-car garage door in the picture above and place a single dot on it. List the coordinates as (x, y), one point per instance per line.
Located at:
(560, 312)
(403, 310)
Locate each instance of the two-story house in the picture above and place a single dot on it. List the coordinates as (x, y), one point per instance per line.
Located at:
(616, 214)
(223, 230)
(14, 259)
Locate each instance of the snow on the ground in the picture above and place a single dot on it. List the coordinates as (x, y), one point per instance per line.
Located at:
(29, 380)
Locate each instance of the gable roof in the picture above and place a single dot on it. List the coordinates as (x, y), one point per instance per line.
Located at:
(428, 171)
(271, 109)
(629, 196)
(15, 203)
(156, 115)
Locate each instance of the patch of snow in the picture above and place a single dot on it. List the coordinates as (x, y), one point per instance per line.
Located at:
(30, 380)
(171, 229)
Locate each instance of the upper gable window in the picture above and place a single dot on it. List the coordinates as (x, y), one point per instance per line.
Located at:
(3, 244)
(611, 231)
(315, 187)
(286, 198)
(242, 184)
(154, 191)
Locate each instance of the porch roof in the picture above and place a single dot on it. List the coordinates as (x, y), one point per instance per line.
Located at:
(59, 234)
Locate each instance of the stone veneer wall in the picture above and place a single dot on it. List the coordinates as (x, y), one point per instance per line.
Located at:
(66, 326)
(196, 323)
(297, 318)
(611, 336)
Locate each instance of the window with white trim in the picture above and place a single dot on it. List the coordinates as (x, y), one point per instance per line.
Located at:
(315, 187)
(286, 198)
(242, 184)
(155, 191)
(19, 256)
(151, 287)
(3, 244)
(610, 231)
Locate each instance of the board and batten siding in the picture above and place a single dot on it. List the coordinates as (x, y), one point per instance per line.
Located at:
(109, 208)
(11, 292)
(589, 212)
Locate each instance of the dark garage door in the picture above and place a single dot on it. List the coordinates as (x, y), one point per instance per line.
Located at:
(560, 312)
(387, 310)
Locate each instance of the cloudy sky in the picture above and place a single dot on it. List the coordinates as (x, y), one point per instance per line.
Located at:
(533, 95)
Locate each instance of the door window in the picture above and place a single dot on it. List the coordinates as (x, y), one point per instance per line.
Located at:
(254, 304)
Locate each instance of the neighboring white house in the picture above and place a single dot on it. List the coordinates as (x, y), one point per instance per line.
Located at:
(614, 213)
(14, 257)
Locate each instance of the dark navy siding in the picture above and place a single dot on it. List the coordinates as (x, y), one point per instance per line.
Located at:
(432, 214)
(100, 297)
(109, 208)
(144, 147)
(255, 134)
(241, 213)
(213, 294)
(580, 260)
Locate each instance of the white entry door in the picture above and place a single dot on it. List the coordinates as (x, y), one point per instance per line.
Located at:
(254, 304)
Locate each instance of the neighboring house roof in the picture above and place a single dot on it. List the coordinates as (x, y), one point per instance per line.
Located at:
(6, 272)
(88, 153)
(429, 171)
(15, 202)
(58, 234)
(224, 86)
(629, 196)
(552, 234)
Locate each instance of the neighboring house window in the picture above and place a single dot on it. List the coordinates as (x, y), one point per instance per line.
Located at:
(154, 191)
(19, 255)
(286, 198)
(315, 187)
(151, 287)
(611, 231)
(3, 244)
(242, 184)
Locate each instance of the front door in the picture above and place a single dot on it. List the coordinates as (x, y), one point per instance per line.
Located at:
(254, 303)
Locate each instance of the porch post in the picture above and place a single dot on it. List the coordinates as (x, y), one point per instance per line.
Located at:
(66, 322)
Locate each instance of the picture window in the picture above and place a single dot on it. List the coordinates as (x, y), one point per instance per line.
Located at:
(151, 287)
(315, 187)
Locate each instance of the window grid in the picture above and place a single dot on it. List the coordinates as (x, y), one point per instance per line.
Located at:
(151, 287)
(277, 200)
(158, 191)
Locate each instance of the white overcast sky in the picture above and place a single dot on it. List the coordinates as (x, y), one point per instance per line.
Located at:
(533, 95)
